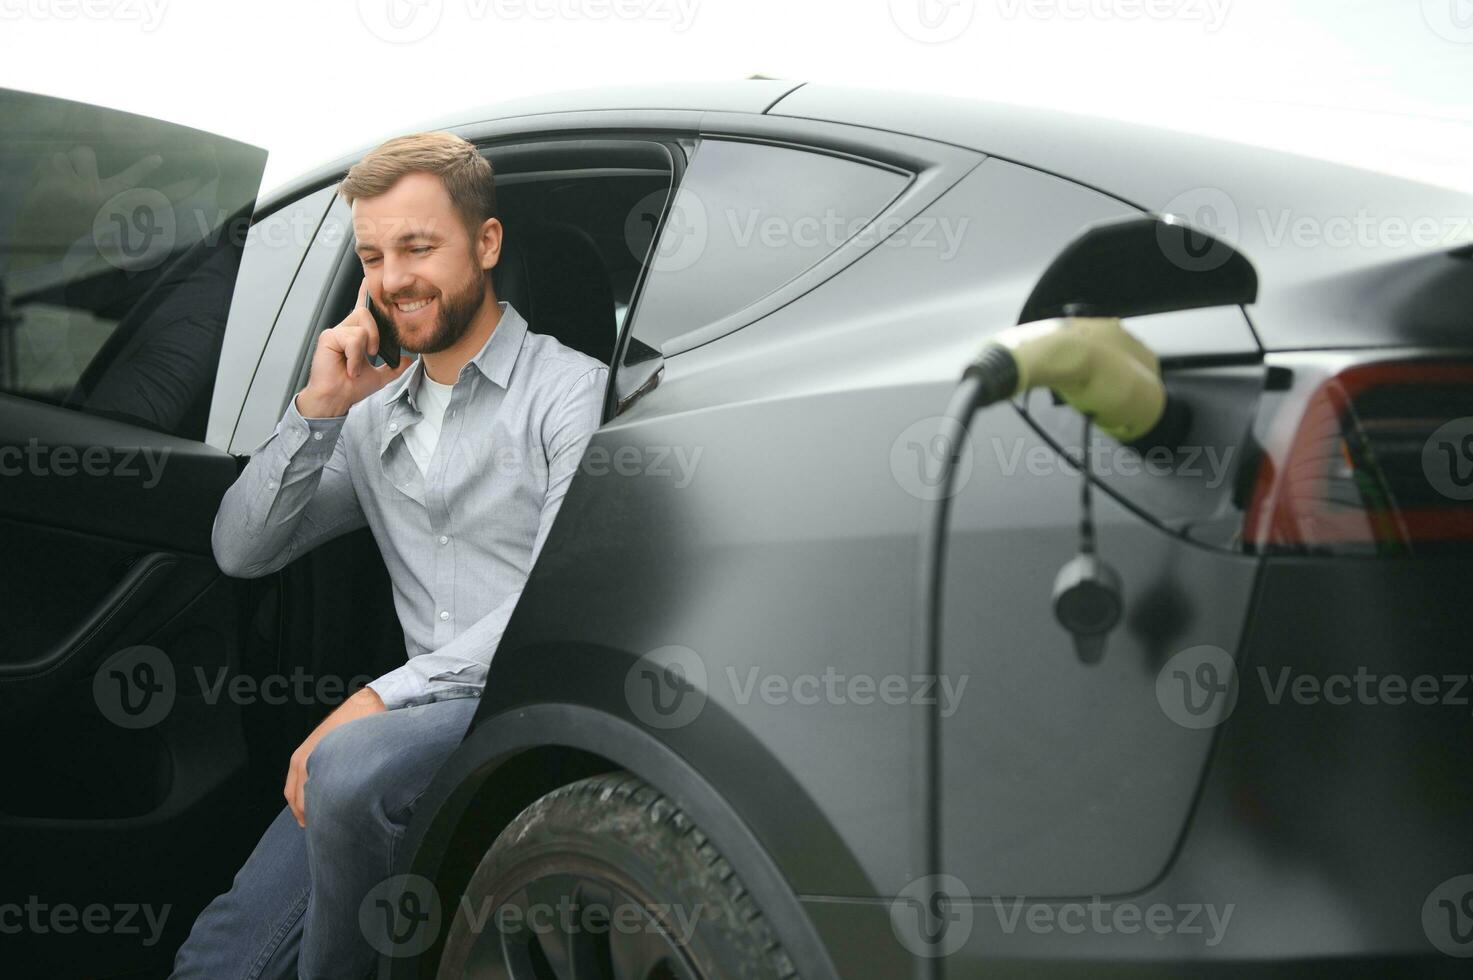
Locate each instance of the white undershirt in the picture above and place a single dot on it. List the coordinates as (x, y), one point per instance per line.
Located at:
(422, 436)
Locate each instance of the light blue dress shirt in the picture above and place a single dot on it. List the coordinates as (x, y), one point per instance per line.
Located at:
(458, 539)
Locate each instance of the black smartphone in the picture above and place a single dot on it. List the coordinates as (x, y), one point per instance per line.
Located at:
(388, 340)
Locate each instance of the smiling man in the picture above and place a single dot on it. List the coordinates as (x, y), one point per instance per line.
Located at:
(457, 461)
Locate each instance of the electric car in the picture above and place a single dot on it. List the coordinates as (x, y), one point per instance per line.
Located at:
(817, 675)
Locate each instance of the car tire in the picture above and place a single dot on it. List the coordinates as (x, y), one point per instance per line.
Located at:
(559, 892)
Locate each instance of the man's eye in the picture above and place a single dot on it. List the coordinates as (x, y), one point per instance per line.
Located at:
(420, 249)
(370, 260)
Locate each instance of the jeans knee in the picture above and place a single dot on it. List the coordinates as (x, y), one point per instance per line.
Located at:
(343, 779)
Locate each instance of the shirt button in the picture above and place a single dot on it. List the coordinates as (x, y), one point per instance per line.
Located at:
(393, 426)
(317, 436)
(271, 485)
(444, 539)
(444, 615)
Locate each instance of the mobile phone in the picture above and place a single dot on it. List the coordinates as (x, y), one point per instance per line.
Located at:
(388, 340)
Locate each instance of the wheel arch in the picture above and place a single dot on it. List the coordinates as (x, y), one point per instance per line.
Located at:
(512, 758)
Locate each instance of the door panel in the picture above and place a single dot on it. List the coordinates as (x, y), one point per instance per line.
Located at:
(60, 466)
(124, 797)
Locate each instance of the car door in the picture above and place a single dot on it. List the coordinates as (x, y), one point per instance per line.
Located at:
(123, 802)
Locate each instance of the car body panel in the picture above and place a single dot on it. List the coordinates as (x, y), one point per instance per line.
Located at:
(1306, 224)
(816, 397)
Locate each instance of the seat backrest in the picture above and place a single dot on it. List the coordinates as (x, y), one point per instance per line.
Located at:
(553, 274)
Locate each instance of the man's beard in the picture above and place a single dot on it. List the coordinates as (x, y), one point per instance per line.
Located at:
(456, 311)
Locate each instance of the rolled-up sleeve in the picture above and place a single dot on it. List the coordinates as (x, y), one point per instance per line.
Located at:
(295, 493)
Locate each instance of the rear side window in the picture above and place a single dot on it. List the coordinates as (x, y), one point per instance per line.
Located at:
(120, 239)
(746, 219)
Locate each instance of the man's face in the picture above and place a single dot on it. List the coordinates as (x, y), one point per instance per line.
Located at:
(423, 268)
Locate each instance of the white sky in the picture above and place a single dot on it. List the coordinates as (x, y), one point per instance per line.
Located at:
(1386, 84)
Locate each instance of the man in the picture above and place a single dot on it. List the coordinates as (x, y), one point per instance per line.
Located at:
(457, 462)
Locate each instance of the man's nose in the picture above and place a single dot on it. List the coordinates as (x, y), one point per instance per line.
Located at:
(396, 277)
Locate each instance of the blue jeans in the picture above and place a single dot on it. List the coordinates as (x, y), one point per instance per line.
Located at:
(293, 909)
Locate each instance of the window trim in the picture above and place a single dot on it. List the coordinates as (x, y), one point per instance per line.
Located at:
(286, 358)
(248, 342)
(932, 168)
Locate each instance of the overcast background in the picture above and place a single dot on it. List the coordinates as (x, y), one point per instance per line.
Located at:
(1381, 83)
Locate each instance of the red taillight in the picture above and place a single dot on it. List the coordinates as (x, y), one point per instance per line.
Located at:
(1371, 458)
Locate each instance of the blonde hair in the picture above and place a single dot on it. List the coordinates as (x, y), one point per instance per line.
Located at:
(464, 172)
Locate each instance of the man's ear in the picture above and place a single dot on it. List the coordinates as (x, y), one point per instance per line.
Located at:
(488, 243)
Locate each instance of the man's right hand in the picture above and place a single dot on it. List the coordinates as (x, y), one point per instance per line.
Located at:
(341, 375)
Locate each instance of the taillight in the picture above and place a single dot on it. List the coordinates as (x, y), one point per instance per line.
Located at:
(1371, 457)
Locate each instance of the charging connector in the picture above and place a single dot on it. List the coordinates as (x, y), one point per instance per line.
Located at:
(1104, 372)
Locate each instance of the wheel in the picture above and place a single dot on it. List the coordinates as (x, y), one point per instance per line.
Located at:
(607, 879)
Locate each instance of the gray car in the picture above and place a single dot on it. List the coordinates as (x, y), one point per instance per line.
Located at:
(792, 689)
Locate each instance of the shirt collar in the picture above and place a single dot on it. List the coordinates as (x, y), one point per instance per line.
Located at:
(495, 359)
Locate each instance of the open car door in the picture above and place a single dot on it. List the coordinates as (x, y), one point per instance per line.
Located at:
(122, 797)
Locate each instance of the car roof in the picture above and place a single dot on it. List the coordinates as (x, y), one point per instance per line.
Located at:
(1145, 166)
(1257, 198)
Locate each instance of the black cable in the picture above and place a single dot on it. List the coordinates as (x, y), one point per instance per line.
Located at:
(991, 378)
(1086, 512)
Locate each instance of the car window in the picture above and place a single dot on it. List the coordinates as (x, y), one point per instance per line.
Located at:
(120, 240)
(746, 219)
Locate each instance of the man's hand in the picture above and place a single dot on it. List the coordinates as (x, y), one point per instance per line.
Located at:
(341, 376)
(364, 702)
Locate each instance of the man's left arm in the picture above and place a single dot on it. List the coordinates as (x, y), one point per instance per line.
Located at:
(458, 669)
